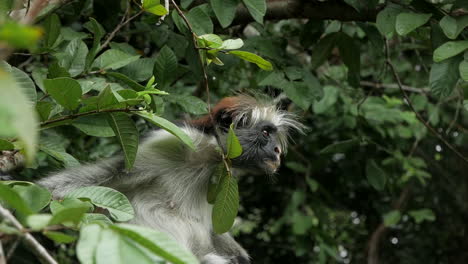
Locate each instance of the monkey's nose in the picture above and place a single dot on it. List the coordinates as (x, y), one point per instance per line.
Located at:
(278, 150)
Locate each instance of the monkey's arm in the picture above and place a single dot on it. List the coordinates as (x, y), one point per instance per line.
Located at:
(87, 175)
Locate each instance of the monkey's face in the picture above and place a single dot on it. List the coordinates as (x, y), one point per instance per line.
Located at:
(261, 150)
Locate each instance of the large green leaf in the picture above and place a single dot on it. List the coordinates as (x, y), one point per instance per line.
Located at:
(329, 99)
(98, 30)
(453, 26)
(375, 175)
(257, 9)
(165, 68)
(139, 70)
(225, 10)
(52, 27)
(251, 57)
(234, 148)
(322, 50)
(69, 215)
(154, 7)
(14, 200)
(87, 243)
(35, 196)
(66, 91)
(392, 218)
(94, 125)
(127, 135)
(351, 55)
(115, 202)
(157, 242)
(17, 117)
(463, 67)
(226, 205)
(407, 22)
(58, 152)
(386, 19)
(200, 21)
(444, 76)
(169, 127)
(114, 59)
(450, 49)
(74, 57)
(190, 104)
(22, 79)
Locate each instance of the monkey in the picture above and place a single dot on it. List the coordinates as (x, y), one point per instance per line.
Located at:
(168, 184)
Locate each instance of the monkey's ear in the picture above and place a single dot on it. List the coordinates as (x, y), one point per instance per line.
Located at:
(223, 119)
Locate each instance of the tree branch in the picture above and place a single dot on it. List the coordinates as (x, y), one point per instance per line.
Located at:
(122, 23)
(93, 112)
(30, 241)
(410, 104)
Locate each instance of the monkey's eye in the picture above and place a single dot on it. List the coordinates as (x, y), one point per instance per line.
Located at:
(265, 133)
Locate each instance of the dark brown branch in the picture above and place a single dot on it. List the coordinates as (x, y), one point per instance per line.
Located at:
(420, 118)
(312, 9)
(73, 116)
(29, 240)
(122, 23)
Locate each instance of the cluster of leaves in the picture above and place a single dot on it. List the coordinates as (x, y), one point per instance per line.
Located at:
(101, 240)
(343, 180)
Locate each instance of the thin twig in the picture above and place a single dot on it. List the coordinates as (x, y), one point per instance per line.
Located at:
(122, 23)
(30, 241)
(420, 118)
(12, 248)
(457, 112)
(93, 112)
(207, 87)
(393, 86)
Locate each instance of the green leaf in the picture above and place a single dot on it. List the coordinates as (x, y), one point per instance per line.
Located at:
(340, 146)
(6, 145)
(59, 153)
(375, 175)
(231, 44)
(407, 22)
(115, 202)
(127, 135)
(74, 57)
(156, 242)
(250, 57)
(226, 205)
(351, 56)
(422, 215)
(56, 71)
(449, 49)
(444, 76)
(330, 97)
(211, 40)
(35, 196)
(323, 49)
(14, 200)
(386, 19)
(214, 187)
(59, 237)
(52, 27)
(17, 116)
(98, 30)
(127, 81)
(225, 10)
(257, 9)
(234, 148)
(153, 6)
(91, 218)
(38, 221)
(22, 79)
(114, 59)
(165, 68)
(169, 127)
(87, 243)
(392, 218)
(66, 91)
(69, 215)
(18, 35)
(190, 104)
(453, 26)
(463, 67)
(139, 70)
(200, 21)
(94, 125)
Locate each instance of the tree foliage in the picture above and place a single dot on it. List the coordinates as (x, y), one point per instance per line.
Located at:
(379, 177)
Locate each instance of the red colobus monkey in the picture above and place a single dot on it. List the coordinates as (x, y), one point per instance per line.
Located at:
(168, 184)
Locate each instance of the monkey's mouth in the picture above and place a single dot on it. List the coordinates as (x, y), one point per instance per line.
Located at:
(271, 166)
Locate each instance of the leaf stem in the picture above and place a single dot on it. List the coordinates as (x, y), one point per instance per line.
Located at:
(93, 112)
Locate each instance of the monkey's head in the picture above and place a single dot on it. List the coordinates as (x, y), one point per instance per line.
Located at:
(262, 129)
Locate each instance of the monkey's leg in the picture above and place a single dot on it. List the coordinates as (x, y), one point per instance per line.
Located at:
(225, 245)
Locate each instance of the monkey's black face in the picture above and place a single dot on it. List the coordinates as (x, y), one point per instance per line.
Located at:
(261, 150)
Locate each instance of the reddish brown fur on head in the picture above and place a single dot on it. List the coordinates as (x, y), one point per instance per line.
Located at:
(226, 105)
